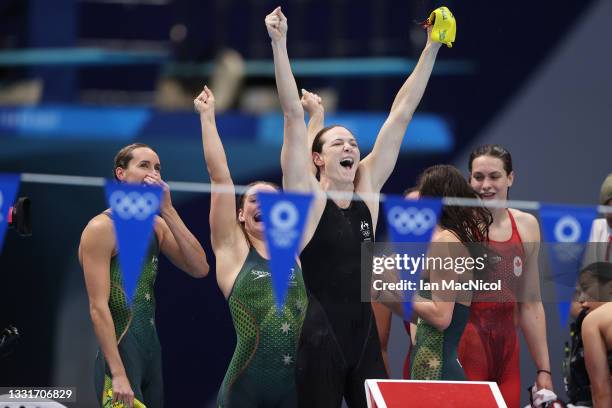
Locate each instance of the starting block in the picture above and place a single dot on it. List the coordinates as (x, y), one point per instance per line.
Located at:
(418, 393)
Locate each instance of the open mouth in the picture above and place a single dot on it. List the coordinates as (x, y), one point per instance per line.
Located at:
(347, 163)
(257, 217)
(487, 196)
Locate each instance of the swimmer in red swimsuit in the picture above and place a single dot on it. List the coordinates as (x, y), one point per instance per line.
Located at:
(489, 348)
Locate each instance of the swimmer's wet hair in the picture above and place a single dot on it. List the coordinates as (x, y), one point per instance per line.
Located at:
(493, 150)
(469, 224)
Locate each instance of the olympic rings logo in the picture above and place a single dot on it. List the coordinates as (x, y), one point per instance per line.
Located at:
(284, 215)
(567, 229)
(134, 205)
(411, 220)
(284, 218)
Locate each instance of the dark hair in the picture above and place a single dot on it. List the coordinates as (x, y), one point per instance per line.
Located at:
(242, 197)
(125, 155)
(469, 224)
(317, 143)
(493, 150)
(601, 270)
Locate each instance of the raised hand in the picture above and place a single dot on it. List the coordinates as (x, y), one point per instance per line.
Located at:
(430, 42)
(154, 179)
(276, 23)
(311, 102)
(204, 104)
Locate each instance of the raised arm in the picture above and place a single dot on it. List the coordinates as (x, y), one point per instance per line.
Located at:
(96, 249)
(223, 226)
(180, 245)
(176, 241)
(381, 161)
(295, 153)
(316, 120)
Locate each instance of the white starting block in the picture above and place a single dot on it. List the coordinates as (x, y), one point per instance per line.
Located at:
(425, 394)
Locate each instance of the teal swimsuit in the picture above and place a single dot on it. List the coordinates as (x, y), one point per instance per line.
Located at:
(434, 357)
(136, 335)
(262, 370)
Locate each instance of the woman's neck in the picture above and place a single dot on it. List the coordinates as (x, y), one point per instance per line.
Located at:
(500, 215)
(328, 184)
(259, 244)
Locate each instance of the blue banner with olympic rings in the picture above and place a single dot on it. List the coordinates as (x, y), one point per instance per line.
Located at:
(133, 208)
(284, 216)
(412, 221)
(568, 228)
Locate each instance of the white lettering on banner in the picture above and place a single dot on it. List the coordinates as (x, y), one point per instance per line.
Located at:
(568, 252)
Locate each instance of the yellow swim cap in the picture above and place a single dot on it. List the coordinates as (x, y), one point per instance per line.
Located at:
(444, 25)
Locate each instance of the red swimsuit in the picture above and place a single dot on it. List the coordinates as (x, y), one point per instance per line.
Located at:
(489, 347)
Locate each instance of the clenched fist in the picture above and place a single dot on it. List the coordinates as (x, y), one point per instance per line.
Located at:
(276, 23)
(204, 104)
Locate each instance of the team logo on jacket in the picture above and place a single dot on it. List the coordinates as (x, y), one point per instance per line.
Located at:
(518, 266)
(366, 234)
